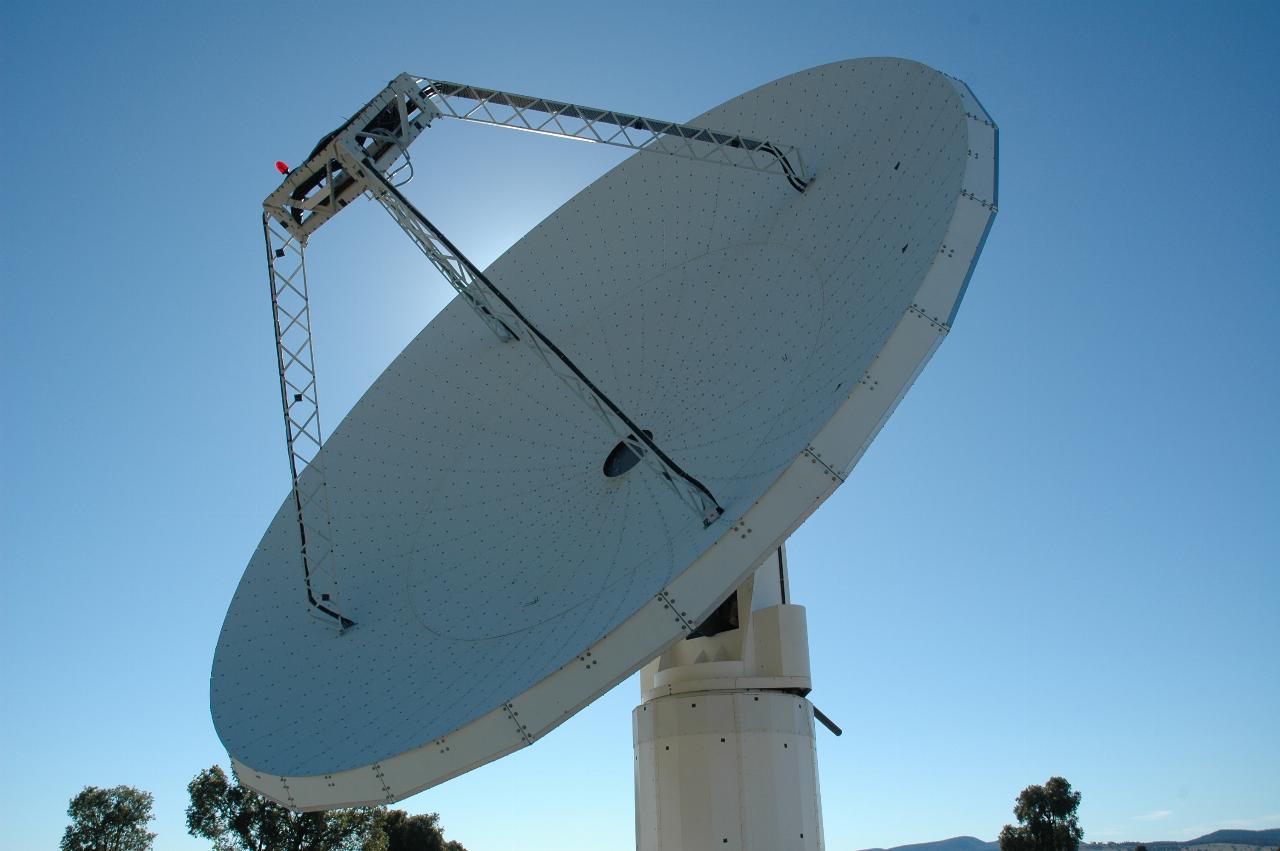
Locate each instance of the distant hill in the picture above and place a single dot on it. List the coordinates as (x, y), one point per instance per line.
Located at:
(955, 843)
(1219, 840)
(1239, 837)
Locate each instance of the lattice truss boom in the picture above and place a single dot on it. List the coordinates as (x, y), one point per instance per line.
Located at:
(509, 323)
(555, 118)
(367, 156)
(295, 353)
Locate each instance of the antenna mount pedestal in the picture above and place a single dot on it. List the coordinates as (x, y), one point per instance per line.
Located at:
(724, 740)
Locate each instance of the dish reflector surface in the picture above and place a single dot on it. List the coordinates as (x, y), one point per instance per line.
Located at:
(499, 579)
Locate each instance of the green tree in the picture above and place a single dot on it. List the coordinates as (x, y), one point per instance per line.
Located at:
(1047, 819)
(414, 833)
(236, 817)
(1139, 847)
(112, 819)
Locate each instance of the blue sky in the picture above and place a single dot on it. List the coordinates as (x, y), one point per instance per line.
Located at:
(1060, 557)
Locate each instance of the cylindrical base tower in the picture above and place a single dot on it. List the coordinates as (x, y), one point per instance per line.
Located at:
(724, 740)
(726, 769)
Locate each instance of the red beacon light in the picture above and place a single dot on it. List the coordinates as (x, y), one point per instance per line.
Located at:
(282, 167)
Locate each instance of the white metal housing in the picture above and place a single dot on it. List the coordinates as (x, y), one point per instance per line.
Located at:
(727, 769)
(724, 740)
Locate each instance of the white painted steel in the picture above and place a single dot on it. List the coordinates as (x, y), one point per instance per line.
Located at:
(763, 335)
(724, 740)
(769, 650)
(727, 770)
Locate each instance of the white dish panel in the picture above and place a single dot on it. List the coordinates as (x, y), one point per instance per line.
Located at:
(499, 581)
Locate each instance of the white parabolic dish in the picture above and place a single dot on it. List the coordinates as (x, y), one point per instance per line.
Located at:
(500, 582)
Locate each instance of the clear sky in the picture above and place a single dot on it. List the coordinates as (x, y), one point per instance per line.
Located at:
(1062, 556)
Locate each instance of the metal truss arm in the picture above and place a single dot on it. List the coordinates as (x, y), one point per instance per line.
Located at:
(383, 130)
(290, 305)
(364, 155)
(586, 123)
(499, 313)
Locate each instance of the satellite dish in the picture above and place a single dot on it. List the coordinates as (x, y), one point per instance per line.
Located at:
(498, 547)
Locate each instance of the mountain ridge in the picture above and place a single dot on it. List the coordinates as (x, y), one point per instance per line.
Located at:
(1228, 837)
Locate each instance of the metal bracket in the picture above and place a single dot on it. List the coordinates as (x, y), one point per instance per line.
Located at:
(382, 131)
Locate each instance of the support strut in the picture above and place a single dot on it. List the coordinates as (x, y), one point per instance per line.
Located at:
(587, 123)
(508, 322)
(295, 356)
(364, 156)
